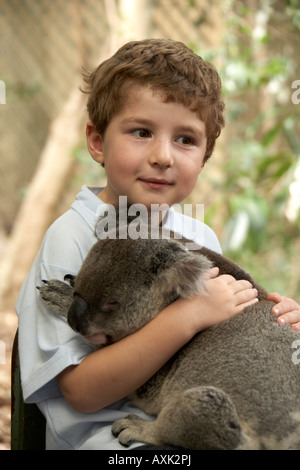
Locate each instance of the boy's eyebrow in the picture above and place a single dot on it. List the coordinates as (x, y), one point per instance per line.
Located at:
(191, 129)
(137, 120)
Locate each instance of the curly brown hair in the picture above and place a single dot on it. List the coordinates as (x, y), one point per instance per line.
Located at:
(166, 66)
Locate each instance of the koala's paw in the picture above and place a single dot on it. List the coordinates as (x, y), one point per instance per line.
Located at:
(57, 295)
(131, 429)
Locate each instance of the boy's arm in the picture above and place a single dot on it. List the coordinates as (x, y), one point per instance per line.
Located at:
(286, 310)
(111, 373)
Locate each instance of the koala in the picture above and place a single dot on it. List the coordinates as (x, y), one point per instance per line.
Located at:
(233, 386)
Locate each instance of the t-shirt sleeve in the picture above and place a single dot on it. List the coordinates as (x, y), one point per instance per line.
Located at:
(47, 344)
(192, 229)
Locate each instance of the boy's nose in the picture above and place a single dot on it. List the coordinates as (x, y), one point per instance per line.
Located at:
(161, 154)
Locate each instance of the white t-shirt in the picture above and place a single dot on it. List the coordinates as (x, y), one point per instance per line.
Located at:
(47, 345)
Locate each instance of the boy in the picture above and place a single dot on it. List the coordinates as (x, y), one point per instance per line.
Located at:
(155, 111)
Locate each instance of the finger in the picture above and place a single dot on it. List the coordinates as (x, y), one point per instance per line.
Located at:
(291, 318)
(296, 326)
(239, 308)
(275, 297)
(286, 305)
(213, 272)
(243, 297)
(242, 285)
(228, 278)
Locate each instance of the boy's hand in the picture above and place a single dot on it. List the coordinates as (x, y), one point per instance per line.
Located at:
(224, 298)
(286, 310)
(234, 295)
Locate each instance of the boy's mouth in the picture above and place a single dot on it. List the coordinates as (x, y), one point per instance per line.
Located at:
(156, 183)
(99, 339)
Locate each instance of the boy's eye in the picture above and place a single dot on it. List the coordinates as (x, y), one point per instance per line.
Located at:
(143, 133)
(185, 140)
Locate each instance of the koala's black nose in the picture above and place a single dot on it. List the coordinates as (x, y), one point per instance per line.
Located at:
(77, 314)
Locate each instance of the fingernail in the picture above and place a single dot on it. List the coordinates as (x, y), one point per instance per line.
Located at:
(276, 311)
(282, 320)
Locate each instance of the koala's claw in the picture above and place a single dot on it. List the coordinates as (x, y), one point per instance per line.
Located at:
(118, 427)
(70, 278)
(122, 430)
(131, 429)
(124, 437)
(57, 295)
(45, 282)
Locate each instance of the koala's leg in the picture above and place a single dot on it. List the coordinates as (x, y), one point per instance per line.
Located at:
(199, 418)
(57, 295)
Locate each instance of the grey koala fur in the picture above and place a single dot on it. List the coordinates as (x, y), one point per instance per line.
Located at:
(233, 386)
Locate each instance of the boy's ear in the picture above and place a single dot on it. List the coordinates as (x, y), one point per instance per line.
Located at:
(94, 143)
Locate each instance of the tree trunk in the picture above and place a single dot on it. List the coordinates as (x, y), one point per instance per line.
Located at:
(45, 191)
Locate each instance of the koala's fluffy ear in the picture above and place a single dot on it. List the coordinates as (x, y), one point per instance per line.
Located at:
(182, 271)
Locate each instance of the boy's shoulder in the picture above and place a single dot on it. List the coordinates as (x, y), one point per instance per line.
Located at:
(193, 229)
(74, 230)
(83, 213)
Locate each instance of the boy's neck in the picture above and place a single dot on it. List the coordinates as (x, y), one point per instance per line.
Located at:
(154, 214)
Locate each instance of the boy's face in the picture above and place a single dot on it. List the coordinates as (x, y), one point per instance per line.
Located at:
(152, 151)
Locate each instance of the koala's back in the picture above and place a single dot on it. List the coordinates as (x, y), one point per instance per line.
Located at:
(250, 358)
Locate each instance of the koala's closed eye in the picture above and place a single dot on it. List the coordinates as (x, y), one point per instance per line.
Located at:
(110, 306)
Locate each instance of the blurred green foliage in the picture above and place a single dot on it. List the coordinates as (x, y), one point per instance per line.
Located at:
(262, 152)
